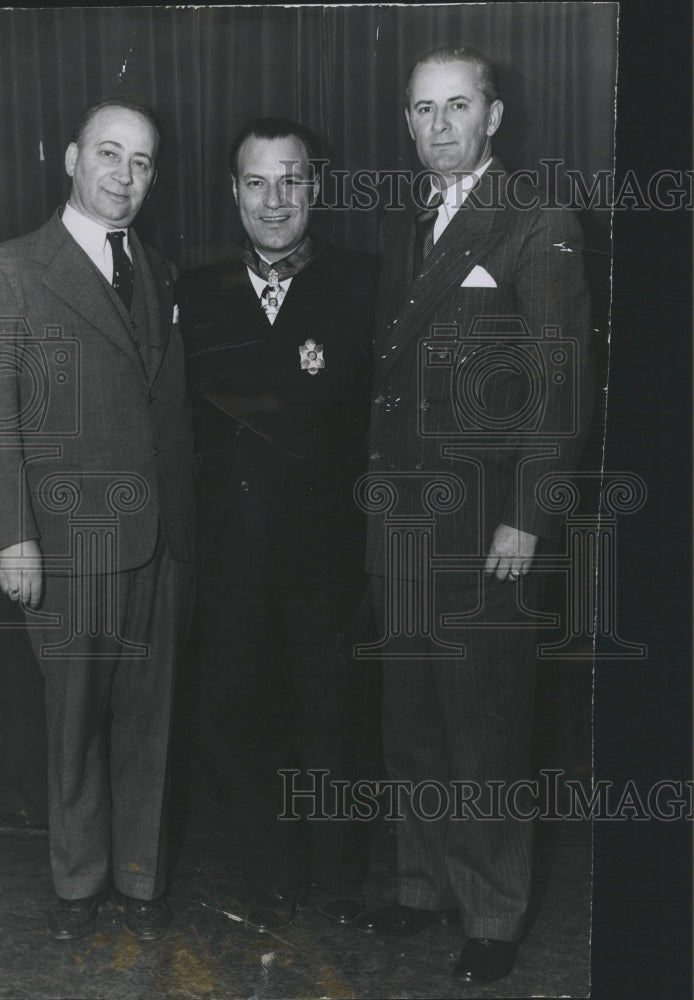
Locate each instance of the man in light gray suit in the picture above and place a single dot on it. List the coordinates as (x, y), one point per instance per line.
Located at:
(96, 514)
(480, 392)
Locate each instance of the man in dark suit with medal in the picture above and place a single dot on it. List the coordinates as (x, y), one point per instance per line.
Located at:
(96, 514)
(278, 350)
(480, 392)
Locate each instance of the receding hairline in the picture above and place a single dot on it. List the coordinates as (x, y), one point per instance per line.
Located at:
(145, 113)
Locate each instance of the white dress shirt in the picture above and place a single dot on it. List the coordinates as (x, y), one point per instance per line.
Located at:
(454, 197)
(91, 236)
(260, 284)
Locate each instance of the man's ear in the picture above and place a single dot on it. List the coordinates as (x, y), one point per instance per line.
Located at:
(152, 183)
(71, 154)
(496, 110)
(409, 123)
(235, 188)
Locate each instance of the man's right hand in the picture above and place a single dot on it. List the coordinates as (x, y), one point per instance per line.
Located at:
(21, 573)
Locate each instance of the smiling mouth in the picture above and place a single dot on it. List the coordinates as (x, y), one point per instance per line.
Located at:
(274, 218)
(115, 194)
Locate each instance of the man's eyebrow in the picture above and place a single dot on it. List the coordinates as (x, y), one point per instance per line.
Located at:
(456, 97)
(114, 142)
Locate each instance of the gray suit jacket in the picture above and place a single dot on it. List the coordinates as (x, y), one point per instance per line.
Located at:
(88, 429)
(481, 368)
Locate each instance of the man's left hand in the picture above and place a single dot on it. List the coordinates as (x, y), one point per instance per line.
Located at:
(511, 553)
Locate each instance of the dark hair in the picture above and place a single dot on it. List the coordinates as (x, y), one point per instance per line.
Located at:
(274, 128)
(119, 102)
(486, 71)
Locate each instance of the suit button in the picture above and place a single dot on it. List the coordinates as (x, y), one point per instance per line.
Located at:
(155, 452)
(244, 486)
(238, 430)
(308, 486)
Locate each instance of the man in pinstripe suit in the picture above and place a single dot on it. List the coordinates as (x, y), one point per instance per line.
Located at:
(482, 330)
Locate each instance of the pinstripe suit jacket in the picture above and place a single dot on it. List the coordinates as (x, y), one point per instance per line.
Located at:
(481, 366)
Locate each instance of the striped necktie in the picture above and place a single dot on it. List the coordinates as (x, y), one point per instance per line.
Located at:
(424, 222)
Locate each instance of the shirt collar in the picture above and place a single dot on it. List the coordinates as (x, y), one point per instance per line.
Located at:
(90, 235)
(260, 283)
(455, 195)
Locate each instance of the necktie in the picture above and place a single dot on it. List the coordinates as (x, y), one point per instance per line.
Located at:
(123, 272)
(424, 222)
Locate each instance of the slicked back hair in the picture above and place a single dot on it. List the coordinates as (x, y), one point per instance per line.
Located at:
(486, 71)
(274, 128)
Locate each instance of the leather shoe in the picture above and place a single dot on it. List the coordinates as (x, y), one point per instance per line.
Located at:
(397, 920)
(73, 918)
(271, 911)
(483, 960)
(343, 909)
(146, 919)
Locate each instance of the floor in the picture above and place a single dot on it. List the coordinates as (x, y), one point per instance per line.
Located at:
(210, 954)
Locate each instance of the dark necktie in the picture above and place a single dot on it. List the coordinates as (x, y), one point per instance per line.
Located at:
(123, 273)
(424, 222)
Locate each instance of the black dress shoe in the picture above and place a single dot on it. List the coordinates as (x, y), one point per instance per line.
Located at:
(74, 918)
(343, 909)
(397, 920)
(271, 911)
(483, 960)
(146, 919)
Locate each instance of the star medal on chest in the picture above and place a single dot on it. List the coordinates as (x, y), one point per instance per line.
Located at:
(311, 357)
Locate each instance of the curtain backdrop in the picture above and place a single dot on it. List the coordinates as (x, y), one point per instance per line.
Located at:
(341, 71)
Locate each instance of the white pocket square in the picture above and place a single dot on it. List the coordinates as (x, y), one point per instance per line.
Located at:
(175, 315)
(478, 278)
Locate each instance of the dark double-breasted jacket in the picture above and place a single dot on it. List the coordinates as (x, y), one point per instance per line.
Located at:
(281, 444)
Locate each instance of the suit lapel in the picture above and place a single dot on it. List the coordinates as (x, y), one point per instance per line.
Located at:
(71, 277)
(472, 232)
(158, 294)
